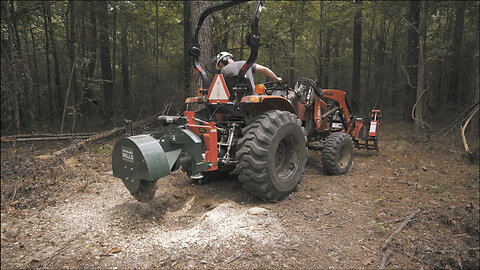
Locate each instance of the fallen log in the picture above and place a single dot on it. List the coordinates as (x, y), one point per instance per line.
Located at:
(44, 137)
(54, 138)
(102, 135)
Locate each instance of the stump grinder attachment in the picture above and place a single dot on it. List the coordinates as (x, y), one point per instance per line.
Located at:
(142, 159)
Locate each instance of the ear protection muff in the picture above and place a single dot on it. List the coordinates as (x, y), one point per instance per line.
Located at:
(224, 60)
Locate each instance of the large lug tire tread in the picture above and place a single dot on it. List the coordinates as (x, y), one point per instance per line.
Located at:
(256, 159)
(337, 154)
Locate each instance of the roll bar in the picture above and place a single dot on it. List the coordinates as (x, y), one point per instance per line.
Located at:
(252, 38)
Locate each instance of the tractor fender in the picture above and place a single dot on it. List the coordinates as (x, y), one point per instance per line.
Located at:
(263, 103)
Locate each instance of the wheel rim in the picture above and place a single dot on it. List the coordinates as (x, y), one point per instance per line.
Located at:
(344, 156)
(286, 158)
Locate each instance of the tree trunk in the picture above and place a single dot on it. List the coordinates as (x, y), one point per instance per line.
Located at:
(412, 62)
(226, 30)
(320, 59)
(392, 100)
(156, 44)
(52, 108)
(105, 63)
(24, 78)
(357, 55)
(204, 38)
(474, 95)
(242, 40)
(82, 10)
(13, 86)
(421, 69)
(29, 75)
(56, 68)
(70, 34)
(456, 62)
(335, 75)
(367, 95)
(379, 67)
(114, 50)
(326, 62)
(187, 61)
(35, 78)
(320, 50)
(439, 65)
(124, 58)
(92, 51)
(293, 37)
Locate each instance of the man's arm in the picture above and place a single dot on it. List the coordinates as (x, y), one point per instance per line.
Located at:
(266, 71)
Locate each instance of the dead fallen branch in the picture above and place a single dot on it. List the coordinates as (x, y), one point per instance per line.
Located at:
(234, 258)
(399, 229)
(387, 253)
(464, 140)
(47, 135)
(63, 247)
(384, 261)
(102, 135)
(36, 139)
(44, 137)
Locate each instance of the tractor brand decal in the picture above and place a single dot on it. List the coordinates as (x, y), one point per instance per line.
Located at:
(127, 154)
(202, 130)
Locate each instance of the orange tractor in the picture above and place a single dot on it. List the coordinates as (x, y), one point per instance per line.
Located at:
(259, 134)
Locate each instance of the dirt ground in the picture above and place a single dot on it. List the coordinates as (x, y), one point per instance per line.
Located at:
(69, 213)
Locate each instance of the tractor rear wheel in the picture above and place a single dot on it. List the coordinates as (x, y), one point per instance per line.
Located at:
(337, 153)
(271, 155)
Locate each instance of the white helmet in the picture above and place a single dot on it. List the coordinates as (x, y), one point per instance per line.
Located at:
(223, 58)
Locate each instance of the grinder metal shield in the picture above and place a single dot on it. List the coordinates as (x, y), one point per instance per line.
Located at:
(139, 158)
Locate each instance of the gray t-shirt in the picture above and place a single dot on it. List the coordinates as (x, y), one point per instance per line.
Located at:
(233, 68)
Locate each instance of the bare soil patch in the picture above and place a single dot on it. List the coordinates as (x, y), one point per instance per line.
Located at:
(69, 213)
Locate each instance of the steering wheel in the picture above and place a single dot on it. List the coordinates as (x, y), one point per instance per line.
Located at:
(271, 85)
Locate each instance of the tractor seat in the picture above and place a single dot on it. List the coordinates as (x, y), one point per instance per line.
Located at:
(243, 84)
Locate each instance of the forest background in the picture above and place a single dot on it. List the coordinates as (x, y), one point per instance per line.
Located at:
(79, 66)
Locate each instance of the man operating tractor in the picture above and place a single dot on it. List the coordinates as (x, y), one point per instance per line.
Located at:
(224, 62)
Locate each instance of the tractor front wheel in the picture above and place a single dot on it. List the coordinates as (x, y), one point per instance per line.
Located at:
(271, 155)
(337, 153)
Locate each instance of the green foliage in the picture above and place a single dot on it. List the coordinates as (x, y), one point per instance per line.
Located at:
(380, 227)
(380, 199)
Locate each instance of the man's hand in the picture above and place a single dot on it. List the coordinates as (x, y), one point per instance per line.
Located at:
(266, 71)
